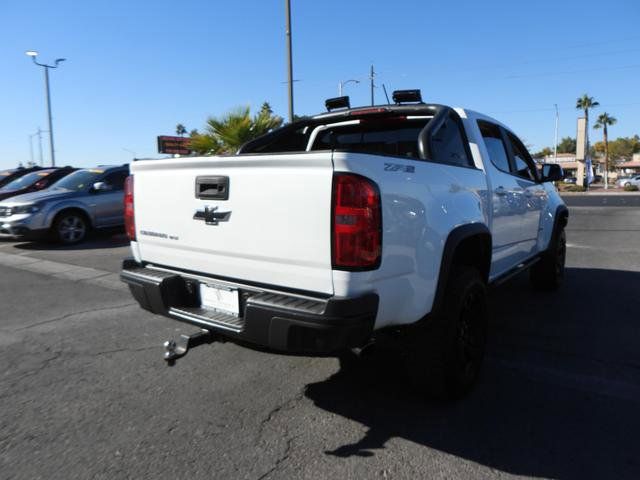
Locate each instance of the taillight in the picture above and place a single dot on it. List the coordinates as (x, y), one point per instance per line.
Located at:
(129, 215)
(357, 223)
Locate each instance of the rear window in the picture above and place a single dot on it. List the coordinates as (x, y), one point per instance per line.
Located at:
(397, 137)
(26, 180)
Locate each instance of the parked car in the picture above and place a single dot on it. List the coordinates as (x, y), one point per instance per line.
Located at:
(85, 199)
(34, 181)
(633, 180)
(571, 180)
(375, 223)
(11, 174)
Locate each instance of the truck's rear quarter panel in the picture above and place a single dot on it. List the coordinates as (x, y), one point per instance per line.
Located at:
(422, 203)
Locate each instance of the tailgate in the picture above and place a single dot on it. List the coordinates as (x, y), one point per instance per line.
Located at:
(274, 228)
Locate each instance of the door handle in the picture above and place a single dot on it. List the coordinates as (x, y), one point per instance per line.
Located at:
(500, 190)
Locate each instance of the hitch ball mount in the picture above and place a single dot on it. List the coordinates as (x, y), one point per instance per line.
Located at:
(175, 349)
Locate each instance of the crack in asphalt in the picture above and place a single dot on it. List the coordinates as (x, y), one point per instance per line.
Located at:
(277, 409)
(125, 349)
(29, 373)
(283, 458)
(287, 405)
(69, 315)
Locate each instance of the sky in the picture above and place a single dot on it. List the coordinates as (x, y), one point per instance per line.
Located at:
(136, 68)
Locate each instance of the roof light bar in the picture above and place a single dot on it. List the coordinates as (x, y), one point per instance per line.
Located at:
(336, 103)
(407, 96)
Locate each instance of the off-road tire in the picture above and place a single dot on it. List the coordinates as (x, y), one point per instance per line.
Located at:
(444, 354)
(548, 273)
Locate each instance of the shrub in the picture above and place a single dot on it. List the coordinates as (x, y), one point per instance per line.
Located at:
(575, 188)
(631, 188)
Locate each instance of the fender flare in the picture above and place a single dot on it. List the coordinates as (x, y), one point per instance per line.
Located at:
(454, 239)
(560, 220)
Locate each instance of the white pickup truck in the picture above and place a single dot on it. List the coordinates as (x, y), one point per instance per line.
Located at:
(346, 227)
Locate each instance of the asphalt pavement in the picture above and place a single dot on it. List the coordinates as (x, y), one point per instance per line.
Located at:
(84, 392)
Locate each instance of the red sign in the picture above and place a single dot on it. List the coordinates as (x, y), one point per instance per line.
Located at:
(174, 145)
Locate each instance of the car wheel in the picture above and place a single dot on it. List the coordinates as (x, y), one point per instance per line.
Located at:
(444, 358)
(70, 228)
(627, 184)
(548, 273)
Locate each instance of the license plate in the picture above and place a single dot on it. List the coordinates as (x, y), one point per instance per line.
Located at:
(219, 298)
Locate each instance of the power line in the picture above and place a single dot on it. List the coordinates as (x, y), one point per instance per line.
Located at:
(552, 109)
(570, 72)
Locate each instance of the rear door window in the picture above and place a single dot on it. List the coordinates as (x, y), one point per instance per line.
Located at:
(496, 148)
(116, 179)
(523, 164)
(448, 146)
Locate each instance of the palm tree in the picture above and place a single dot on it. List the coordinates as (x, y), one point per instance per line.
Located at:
(603, 121)
(180, 129)
(585, 102)
(228, 133)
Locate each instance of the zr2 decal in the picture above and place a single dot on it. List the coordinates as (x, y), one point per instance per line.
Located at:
(397, 167)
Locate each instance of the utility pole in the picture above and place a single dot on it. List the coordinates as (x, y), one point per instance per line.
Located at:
(39, 135)
(371, 77)
(555, 143)
(40, 146)
(31, 148)
(289, 60)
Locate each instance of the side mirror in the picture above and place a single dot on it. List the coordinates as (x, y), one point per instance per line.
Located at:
(101, 187)
(551, 172)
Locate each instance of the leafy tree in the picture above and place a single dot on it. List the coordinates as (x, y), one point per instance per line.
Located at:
(567, 145)
(621, 149)
(180, 129)
(543, 153)
(228, 133)
(603, 121)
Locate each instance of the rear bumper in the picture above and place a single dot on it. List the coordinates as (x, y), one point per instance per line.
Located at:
(276, 320)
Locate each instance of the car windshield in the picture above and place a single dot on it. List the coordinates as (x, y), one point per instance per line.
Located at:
(25, 180)
(79, 180)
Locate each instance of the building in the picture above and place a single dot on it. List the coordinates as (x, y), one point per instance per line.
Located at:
(630, 168)
(570, 165)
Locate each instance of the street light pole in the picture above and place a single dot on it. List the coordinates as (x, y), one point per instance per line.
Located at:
(341, 85)
(289, 60)
(33, 54)
(555, 143)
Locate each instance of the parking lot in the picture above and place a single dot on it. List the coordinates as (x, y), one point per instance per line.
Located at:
(85, 393)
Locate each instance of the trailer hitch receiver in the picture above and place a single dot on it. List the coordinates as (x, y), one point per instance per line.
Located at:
(175, 349)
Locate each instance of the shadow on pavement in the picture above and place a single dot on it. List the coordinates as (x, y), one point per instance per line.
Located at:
(559, 396)
(95, 240)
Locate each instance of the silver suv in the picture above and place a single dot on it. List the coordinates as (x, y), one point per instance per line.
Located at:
(87, 199)
(625, 181)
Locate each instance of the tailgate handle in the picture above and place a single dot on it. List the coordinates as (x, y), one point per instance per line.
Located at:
(212, 188)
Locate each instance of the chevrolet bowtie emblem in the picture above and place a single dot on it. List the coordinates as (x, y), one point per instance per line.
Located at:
(210, 216)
